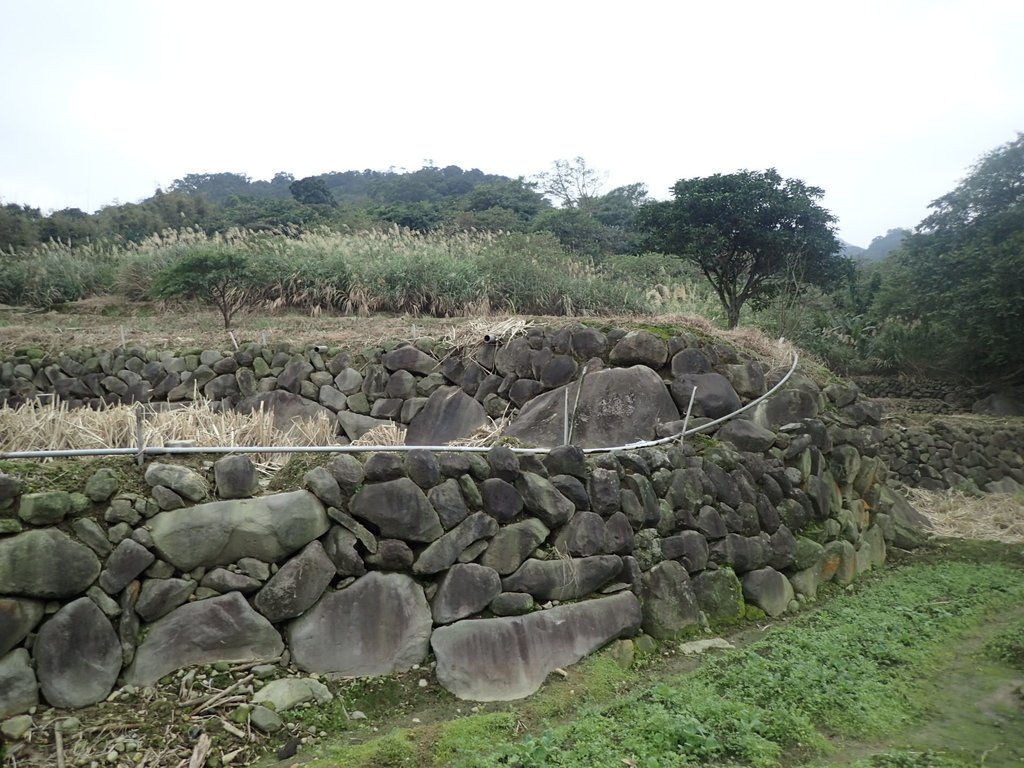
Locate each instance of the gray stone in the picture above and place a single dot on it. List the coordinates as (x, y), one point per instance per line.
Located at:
(391, 555)
(339, 546)
(221, 628)
(356, 425)
(563, 579)
(618, 406)
(423, 469)
(513, 544)
(542, 499)
(221, 532)
(669, 604)
(448, 415)
(159, 597)
(44, 508)
(127, 561)
(18, 617)
(27, 564)
(236, 477)
(746, 435)
(603, 488)
(289, 692)
(446, 550)
(715, 396)
(384, 466)
(688, 547)
(77, 655)
(398, 509)
(566, 460)
(582, 536)
(719, 595)
(321, 483)
(378, 625)
(509, 658)
(265, 720)
(464, 590)
(166, 499)
(222, 581)
(689, 360)
(297, 585)
(446, 499)
(92, 535)
(618, 535)
(639, 348)
(743, 553)
(512, 604)
(19, 691)
(286, 407)
(769, 590)
(10, 487)
(347, 470)
(102, 485)
(785, 407)
(294, 373)
(362, 534)
(182, 480)
(409, 358)
(500, 499)
(349, 381)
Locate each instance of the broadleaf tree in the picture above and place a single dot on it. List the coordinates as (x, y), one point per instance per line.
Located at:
(750, 233)
(960, 275)
(218, 274)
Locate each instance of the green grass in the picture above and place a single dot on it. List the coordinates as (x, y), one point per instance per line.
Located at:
(856, 668)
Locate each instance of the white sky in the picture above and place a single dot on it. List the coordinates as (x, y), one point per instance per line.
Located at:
(883, 104)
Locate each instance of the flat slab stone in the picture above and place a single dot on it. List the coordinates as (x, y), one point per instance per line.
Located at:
(267, 528)
(77, 655)
(617, 406)
(508, 658)
(399, 509)
(223, 628)
(378, 625)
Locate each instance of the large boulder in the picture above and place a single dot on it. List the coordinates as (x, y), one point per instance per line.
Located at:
(448, 415)
(77, 655)
(508, 658)
(669, 605)
(378, 625)
(398, 509)
(297, 585)
(465, 589)
(785, 407)
(27, 564)
(769, 590)
(221, 628)
(563, 578)
(267, 528)
(617, 406)
(288, 408)
(715, 396)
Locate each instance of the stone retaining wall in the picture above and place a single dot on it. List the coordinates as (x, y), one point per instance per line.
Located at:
(956, 452)
(503, 565)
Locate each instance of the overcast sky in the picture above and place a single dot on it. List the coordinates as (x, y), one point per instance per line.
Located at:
(884, 104)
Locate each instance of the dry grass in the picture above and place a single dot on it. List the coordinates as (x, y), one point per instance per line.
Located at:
(55, 427)
(385, 434)
(992, 517)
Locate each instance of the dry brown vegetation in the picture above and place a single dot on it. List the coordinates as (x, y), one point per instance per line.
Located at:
(954, 514)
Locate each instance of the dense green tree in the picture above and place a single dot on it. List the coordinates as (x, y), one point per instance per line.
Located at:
(961, 274)
(19, 226)
(749, 232)
(311, 190)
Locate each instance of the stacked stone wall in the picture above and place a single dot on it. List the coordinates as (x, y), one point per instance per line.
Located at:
(985, 455)
(503, 565)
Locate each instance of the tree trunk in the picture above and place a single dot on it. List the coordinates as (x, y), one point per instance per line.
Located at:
(732, 311)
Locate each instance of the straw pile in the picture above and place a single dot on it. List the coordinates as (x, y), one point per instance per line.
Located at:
(991, 517)
(56, 427)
